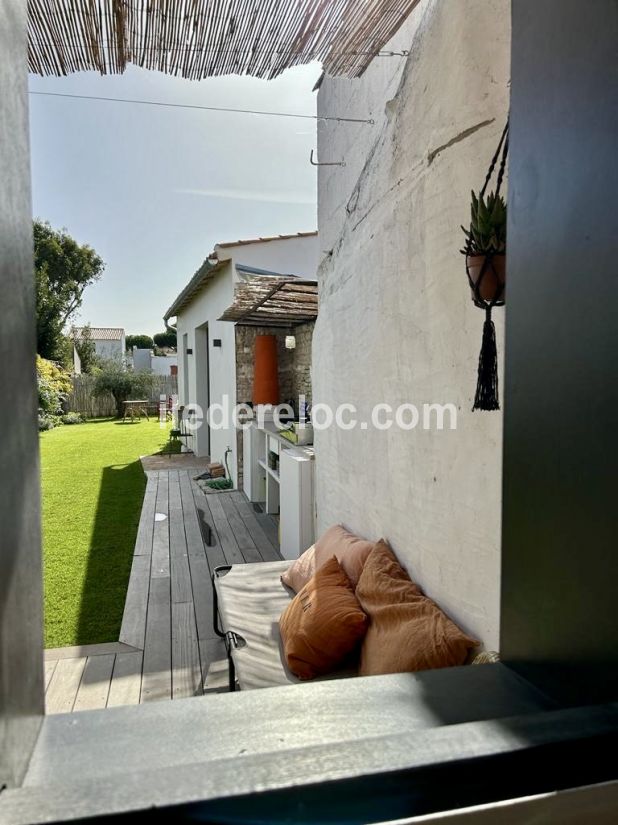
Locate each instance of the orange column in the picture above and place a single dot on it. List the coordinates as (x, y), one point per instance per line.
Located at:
(266, 372)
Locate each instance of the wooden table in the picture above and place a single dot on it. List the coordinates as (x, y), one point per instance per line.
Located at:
(135, 409)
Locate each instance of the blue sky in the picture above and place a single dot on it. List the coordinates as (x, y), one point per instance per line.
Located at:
(153, 189)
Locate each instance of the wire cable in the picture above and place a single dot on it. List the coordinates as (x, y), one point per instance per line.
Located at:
(371, 122)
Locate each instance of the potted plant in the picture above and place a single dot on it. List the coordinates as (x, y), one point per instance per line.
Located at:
(485, 248)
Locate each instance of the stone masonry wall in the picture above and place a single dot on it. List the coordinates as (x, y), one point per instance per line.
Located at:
(294, 368)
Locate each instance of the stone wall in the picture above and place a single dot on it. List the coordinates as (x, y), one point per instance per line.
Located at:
(301, 361)
(294, 368)
(396, 322)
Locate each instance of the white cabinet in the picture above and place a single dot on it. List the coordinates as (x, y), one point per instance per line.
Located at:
(296, 501)
(279, 475)
(253, 483)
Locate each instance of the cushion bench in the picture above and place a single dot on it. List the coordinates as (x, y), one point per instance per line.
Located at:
(248, 600)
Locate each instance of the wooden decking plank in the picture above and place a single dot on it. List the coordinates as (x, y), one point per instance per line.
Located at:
(143, 542)
(161, 532)
(214, 665)
(193, 532)
(126, 682)
(214, 550)
(227, 540)
(269, 526)
(79, 651)
(50, 666)
(243, 538)
(186, 668)
(181, 580)
(94, 686)
(178, 540)
(202, 597)
(64, 684)
(157, 675)
(268, 551)
(179, 563)
(133, 627)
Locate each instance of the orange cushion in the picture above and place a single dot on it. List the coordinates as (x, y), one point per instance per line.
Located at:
(350, 550)
(407, 631)
(322, 624)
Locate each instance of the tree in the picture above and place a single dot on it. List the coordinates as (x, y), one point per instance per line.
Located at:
(63, 270)
(139, 341)
(113, 378)
(166, 339)
(86, 349)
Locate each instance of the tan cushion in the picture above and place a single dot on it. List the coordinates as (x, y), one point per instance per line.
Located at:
(351, 552)
(323, 623)
(407, 631)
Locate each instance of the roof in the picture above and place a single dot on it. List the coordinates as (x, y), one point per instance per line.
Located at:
(198, 40)
(273, 302)
(103, 333)
(267, 239)
(204, 274)
(212, 265)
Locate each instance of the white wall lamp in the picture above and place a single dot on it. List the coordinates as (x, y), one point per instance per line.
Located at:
(290, 342)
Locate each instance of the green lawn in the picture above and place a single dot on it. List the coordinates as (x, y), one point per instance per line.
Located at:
(93, 487)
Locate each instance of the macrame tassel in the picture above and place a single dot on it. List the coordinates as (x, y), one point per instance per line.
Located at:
(487, 387)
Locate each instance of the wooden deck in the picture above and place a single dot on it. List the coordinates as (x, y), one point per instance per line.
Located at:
(167, 647)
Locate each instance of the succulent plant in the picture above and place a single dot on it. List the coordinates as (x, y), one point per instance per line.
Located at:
(487, 233)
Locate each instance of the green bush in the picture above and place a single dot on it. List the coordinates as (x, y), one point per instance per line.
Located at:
(54, 384)
(46, 422)
(72, 418)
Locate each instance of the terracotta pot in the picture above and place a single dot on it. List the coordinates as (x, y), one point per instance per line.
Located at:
(266, 372)
(491, 286)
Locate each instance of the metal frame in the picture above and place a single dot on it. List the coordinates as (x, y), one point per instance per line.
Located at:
(229, 637)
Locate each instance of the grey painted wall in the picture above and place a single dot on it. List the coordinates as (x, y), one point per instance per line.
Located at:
(560, 559)
(21, 665)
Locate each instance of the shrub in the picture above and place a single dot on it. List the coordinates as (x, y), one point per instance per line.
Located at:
(54, 384)
(116, 380)
(46, 422)
(72, 418)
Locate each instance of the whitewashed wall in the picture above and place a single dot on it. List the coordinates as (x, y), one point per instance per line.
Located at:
(209, 305)
(396, 321)
(290, 256)
(109, 349)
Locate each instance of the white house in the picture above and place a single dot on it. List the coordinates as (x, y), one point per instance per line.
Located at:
(109, 342)
(143, 359)
(207, 346)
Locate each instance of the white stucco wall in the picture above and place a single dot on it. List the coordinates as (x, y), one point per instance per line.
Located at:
(109, 349)
(142, 359)
(296, 256)
(162, 364)
(206, 307)
(396, 321)
(292, 256)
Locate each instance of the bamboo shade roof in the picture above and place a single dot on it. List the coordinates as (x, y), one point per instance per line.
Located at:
(195, 39)
(273, 302)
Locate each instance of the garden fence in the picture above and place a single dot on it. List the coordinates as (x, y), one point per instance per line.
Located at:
(83, 400)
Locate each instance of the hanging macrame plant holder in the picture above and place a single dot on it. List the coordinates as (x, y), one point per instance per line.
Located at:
(487, 279)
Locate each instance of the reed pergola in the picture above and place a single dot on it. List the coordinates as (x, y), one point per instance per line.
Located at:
(273, 302)
(195, 39)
